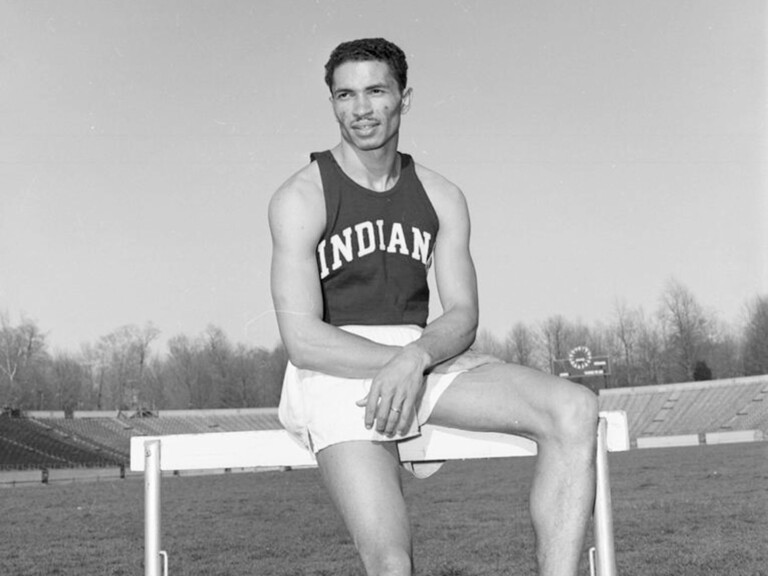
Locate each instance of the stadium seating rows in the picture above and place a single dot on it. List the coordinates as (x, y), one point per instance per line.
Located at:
(43, 440)
(45, 447)
(14, 456)
(46, 440)
(96, 431)
(692, 408)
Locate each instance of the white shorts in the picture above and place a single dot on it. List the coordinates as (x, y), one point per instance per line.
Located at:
(320, 410)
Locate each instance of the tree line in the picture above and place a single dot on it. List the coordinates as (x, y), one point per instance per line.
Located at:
(121, 372)
(680, 341)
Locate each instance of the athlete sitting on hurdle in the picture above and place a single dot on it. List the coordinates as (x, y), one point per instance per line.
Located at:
(354, 234)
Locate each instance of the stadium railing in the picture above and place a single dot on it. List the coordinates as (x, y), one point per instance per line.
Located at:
(277, 448)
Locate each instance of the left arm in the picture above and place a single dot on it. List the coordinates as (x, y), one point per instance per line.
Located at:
(398, 383)
(453, 332)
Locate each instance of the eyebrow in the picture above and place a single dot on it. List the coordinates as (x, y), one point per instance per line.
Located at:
(378, 86)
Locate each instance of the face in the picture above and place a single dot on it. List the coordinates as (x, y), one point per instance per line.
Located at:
(368, 104)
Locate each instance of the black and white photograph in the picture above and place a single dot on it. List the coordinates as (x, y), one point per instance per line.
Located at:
(383, 287)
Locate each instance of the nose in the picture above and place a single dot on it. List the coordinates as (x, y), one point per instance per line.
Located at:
(362, 106)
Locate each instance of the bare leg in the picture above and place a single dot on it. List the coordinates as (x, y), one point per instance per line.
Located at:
(561, 417)
(363, 479)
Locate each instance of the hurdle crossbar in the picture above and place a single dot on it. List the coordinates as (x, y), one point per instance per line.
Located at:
(276, 448)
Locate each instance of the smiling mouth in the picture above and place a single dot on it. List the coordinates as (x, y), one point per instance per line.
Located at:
(367, 127)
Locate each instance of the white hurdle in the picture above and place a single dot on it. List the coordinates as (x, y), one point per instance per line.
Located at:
(276, 448)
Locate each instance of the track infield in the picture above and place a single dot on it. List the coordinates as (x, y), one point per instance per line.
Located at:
(698, 511)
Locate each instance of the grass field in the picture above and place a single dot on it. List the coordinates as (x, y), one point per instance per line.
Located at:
(699, 511)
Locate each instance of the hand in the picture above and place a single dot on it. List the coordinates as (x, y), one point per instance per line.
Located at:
(466, 361)
(392, 397)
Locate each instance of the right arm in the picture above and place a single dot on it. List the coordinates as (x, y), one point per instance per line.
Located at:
(297, 221)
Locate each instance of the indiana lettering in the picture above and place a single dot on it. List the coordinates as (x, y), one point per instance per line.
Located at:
(367, 237)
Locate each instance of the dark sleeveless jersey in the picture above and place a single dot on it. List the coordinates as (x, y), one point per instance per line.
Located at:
(377, 247)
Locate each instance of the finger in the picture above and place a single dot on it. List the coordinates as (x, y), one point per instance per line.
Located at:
(383, 412)
(406, 414)
(393, 418)
(370, 405)
(363, 401)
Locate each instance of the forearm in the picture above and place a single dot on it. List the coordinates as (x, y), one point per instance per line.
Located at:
(322, 347)
(447, 336)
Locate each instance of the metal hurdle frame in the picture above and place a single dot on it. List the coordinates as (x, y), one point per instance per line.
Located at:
(276, 448)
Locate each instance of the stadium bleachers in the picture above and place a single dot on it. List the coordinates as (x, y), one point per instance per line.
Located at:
(14, 456)
(46, 447)
(692, 407)
(48, 440)
(93, 432)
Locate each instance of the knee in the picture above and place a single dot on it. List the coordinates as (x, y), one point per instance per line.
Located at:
(389, 562)
(575, 419)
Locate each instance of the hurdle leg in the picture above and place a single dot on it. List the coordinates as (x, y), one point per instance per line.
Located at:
(602, 557)
(152, 552)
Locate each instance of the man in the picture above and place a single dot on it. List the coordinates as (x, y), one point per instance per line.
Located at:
(354, 233)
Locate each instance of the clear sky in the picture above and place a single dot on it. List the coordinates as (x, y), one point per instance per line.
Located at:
(604, 147)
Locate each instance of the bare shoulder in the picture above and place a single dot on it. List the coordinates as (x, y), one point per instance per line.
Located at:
(299, 199)
(444, 194)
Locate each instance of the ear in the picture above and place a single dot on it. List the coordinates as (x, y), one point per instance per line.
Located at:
(333, 106)
(405, 101)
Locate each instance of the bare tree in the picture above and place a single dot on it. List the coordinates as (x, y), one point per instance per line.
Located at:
(245, 364)
(626, 330)
(94, 361)
(113, 349)
(23, 355)
(685, 327)
(218, 355)
(650, 354)
(189, 372)
(487, 343)
(154, 392)
(556, 333)
(259, 375)
(142, 349)
(521, 344)
(70, 378)
(755, 353)
(724, 352)
(123, 356)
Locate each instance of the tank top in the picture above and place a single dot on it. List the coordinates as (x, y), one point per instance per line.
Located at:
(376, 251)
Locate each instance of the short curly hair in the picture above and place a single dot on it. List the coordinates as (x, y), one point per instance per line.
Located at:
(366, 49)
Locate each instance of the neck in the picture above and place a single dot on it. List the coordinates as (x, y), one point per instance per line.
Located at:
(373, 169)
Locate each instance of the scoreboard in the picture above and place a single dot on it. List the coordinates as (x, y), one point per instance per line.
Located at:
(581, 363)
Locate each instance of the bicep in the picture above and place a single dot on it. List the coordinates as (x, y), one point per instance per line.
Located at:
(454, 269)
(295, 284)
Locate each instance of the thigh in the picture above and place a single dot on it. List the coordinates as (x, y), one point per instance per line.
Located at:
(506, 398)
(363, 479)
